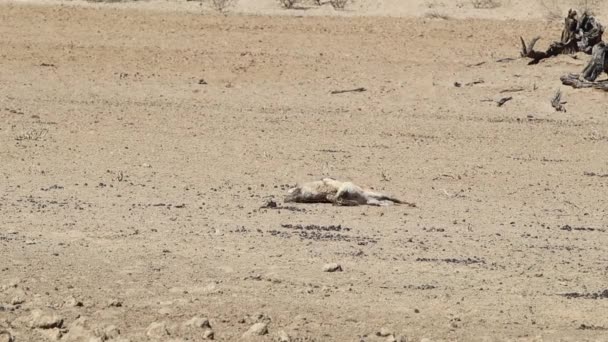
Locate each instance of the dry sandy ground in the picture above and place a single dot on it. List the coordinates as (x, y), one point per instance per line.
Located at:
(130, 192)
(552, 10)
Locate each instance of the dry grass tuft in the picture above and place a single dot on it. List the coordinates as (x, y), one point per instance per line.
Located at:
(486, 4)
(338, 4)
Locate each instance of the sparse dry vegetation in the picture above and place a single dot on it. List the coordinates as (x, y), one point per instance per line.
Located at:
(338, 4)
(434, 14)
(110, 1)
(33, 135)
(222, 5)
(588, 6)
(552, 10)
(486, 4)
(288, 3)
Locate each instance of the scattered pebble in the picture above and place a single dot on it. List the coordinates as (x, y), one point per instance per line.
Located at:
(208, 334)
(114, 303)
(257, 329)
(72, 302)
(283, 336)
(165, 311)
(333, 267)
(17, 300)
(54, 334)
(111, 332)
(391, 338)
(5, 336)
(384, 332)
(157, 330)
(41, 320)
(198, 322)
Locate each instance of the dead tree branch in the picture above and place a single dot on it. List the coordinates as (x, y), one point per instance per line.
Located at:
(579, 34)
(575, 81)
(356, 90)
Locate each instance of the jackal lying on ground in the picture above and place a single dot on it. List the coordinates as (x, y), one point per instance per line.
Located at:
(329, 190)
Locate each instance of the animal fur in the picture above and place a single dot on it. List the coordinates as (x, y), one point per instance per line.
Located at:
(329, 190)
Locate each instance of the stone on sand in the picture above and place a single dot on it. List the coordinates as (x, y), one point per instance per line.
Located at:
(257, 329)
(333, 267)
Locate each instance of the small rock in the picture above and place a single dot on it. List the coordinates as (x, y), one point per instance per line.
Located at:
(165, 311)
(391, 338)
(72, 302)
(157, 330)
(257, 329)
(114, 303)
(208, 334)
(17, 300)
(39, 319)
(5, 336)
(52, 334)
(270, 204)
(111, 331)
(384, 332)
(333, 267)
(78, 332)
(202, 81)
(283, 336)
(198, 322)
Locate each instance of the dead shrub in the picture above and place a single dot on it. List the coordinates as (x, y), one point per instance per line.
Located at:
(33, 135)
(288, 3)
(222, 5)
(436, 15)
(338, 4)
(485, 4)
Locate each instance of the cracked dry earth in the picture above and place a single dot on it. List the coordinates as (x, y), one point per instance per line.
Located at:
(138, 147)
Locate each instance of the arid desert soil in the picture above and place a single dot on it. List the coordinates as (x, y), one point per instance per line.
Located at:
(138, 147)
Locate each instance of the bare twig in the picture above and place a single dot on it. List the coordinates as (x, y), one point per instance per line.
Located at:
(476, 64)
(503, 101)
(512, 90)
(356, 90)
(507, 59)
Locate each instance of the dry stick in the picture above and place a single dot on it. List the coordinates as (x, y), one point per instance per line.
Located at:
(499, 102)
(476, 64)
(503, 101)
(474, 83)
(508, 59)
(356, 90)
(512, 90)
